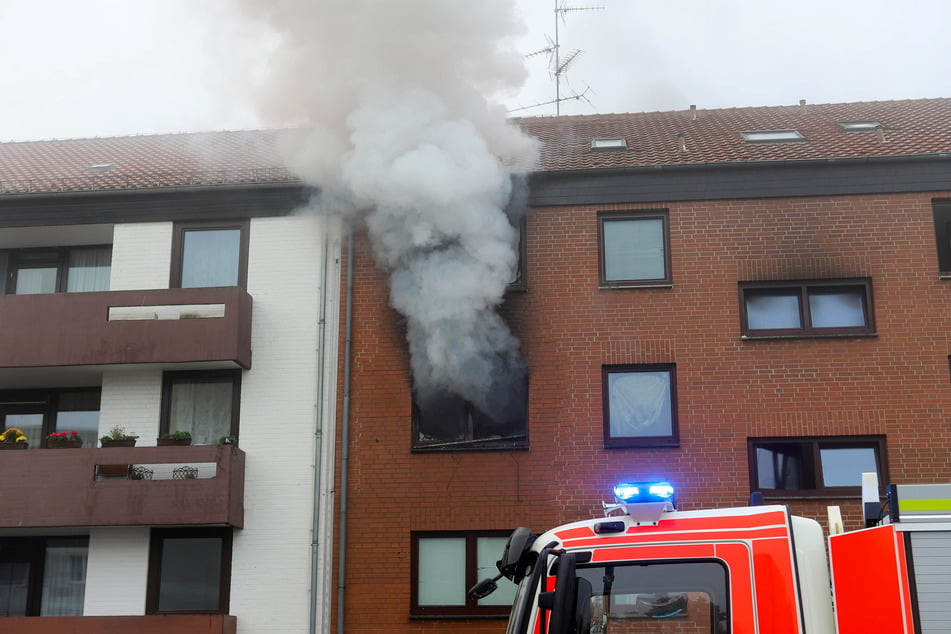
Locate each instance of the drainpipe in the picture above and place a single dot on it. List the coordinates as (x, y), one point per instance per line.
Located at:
(319, 433)
(345, 438)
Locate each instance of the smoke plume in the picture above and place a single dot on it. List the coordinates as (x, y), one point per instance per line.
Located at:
(396, 129)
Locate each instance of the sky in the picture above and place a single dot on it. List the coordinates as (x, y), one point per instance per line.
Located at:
(119, 67)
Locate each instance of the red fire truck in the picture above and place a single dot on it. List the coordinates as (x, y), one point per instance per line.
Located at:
(647, 568)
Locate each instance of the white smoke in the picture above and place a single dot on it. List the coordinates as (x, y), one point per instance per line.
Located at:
(391, 98)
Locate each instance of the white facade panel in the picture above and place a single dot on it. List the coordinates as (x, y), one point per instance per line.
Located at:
(141, 256)
(117, 571)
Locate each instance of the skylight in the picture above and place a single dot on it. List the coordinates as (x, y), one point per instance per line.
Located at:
(856, 126)
(609, 144)
(772, 136)
(100, 167)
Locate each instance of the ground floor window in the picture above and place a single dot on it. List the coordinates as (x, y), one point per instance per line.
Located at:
(447, 564)
(43, 576)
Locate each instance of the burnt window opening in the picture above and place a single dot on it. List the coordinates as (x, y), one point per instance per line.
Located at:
(446, 422)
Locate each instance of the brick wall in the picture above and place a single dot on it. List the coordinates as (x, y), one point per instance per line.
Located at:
(896, 383)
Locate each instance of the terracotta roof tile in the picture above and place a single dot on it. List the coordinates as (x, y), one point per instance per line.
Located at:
(909, 127)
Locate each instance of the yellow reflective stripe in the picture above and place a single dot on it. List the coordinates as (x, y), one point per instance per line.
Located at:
(925, 505)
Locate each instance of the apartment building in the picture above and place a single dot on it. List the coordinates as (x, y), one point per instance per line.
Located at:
(734, 301)
(165, 284)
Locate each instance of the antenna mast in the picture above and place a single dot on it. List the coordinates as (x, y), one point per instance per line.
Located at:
(558, 65)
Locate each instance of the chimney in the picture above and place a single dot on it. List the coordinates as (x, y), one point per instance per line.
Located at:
(693, 111)
(880, 133)
(682, 142)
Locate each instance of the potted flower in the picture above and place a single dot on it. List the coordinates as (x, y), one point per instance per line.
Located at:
(64, 440)
(13, 438)
(174, 438)
(118, 437)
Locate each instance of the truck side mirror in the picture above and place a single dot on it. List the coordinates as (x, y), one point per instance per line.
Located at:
(565, 599)
(515, 560)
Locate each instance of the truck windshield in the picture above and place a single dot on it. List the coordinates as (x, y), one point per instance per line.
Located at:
(650, 598)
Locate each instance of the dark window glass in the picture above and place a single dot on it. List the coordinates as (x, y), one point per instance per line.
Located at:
(189, 571)
(447, 422)
(634, 249)
(447, 564)
(640, 405)
(38, 413)
(42, 576)
(205, 404)
(663, 597)
(822, 465)
(942, 231)
(806, 308)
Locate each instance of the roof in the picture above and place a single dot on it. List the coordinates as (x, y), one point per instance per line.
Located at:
(692, 137)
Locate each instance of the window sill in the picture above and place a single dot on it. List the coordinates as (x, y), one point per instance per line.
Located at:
(944, 275)
(852, 335)
(456, 617)
(614, 287)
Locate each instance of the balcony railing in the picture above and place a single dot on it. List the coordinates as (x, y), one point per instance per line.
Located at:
(177, 325)
(97, 487)
(154, 624)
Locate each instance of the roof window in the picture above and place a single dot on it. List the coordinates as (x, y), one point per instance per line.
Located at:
(100, 167)
(772, 136)
(857, 126)
(609, 144)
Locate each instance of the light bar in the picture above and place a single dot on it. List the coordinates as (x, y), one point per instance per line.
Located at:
(636, 492)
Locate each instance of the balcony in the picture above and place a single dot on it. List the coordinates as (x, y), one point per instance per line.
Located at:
(167, 326)
(95, 487)
(157, 624)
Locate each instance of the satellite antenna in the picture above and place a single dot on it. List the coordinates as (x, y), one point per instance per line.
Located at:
(559, 64)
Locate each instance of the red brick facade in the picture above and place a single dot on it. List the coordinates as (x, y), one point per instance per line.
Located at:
(894, 383)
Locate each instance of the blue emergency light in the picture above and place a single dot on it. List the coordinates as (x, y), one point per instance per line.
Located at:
(638, 492)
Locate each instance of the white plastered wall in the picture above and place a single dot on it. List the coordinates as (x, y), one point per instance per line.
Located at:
(141, 256)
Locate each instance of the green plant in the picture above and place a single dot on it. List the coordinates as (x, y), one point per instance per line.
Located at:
(118, 433)
(177, 435)
(63, 436)
(227, 440)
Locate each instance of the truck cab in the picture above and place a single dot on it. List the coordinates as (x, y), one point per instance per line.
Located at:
(647, 568)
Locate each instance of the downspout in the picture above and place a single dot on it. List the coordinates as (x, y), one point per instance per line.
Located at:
(345, 438)
(319, 434)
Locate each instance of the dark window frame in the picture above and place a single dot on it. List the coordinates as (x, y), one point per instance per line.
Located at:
(605, 218)
(49, 257)
(178, 247)
(210, 376)
(812, 460)
(804, 288)
(471, 607)
(520, 282)
(624, 442)
(942, 229)
(42, 401)
(32, 550)
(511, 443)
(156, 543)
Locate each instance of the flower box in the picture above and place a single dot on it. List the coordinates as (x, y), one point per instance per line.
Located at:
(64, 444)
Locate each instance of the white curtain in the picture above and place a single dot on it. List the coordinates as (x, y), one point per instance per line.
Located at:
(89, 270)
(202, 408)
(64, 577)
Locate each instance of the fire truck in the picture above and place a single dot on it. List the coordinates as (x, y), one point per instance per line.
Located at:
(647, 568)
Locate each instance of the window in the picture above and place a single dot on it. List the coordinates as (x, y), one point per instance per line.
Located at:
(640, 406)
(518, 276)
(210, 254)
(814, 466)
(62, 270)
(448, 422)
(609, 144)
(806, 308)
(635, 249)
(661, 596)
(446, 564)
(42, 576)
(772, 136)
(942, 230)
(858, 126)
(189, 571)
(205, 404)
(41, 412)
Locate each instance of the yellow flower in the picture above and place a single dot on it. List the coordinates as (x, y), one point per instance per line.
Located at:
(3, 438)
(21, 438)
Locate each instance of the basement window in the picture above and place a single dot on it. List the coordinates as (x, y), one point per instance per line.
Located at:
(858, 126)
(772, 136)
(609, 144)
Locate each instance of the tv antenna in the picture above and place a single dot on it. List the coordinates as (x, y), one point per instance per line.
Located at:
(558, 63)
